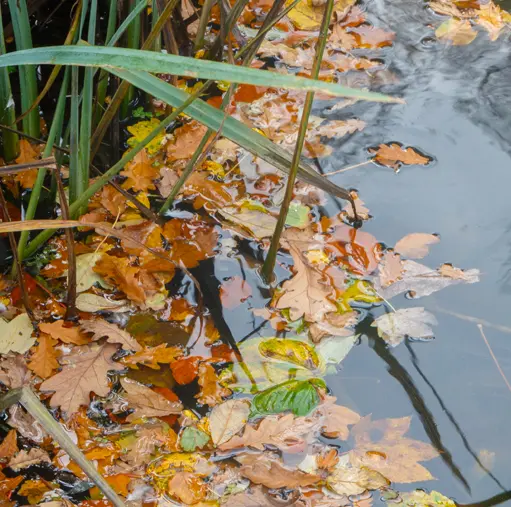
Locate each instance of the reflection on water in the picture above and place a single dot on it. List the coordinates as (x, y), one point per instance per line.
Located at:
(458, 110)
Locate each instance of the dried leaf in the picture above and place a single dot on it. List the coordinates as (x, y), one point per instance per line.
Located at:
(114, 334)
(187, 487)
(26, 459)
(13, 371)
(457, 31)
(416, 245)
(153, 356)
(34, 490)
(226, 420)
(413, 322)
(211, 393)
(9, 445)
(393, 155)
(390, 269)
(393, 455)
(16, 335)
(146, 402)
(92, 303)
(234, 292)
(65, 333)
(113, 201)
(449, 271)
(28, 153)
(85, 371)
(44, 358)
(348, 480)
(86, 277)
(26, 425)
(336, 418)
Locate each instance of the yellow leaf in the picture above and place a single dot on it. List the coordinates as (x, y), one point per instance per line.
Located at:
(305, 16)
(459, 32)
(141, 130)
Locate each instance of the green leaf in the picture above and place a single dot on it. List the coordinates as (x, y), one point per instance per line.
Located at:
(417, 498)
(163, 63)
(192, 439)
(292, 351)
(298, 215)
(297, 396)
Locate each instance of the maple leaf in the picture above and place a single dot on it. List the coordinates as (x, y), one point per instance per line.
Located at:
(226, 420)
(85, 371)
(153, 356)
(457, 31)
(390, 269)
(336, 418)
(9, 445)
(26, 459)
(288, 433)
(65, 333)
(211, 393)
(13, 371)
(140, 173)
(416, 245)
(146, 402)
(186, 139)
(28, 153)
(187, 487)
(43, 360)
(393, 155)
(114, 334)
(401, 455)
(112, 200)
(234, 291)
(268, 471)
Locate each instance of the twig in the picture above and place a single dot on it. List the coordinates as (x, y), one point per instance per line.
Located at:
(476, 320)
(494, 358)
(349, 168)
(19, 168)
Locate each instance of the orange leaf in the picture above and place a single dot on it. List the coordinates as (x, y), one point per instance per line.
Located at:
(140, 173)
(211, 392)
(9, 445)
(28, 153)
(67, 334)
(112, 200)
(393, 155)
(7, 486)
(187, 487)
(152, 356)
(185, 370)
(186, 140)
(119, 483)
(44, 358)
(234, 291)
(34, 490)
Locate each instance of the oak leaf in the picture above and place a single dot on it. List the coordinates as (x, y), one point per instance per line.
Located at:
(91, 303)
(234, 292)
(336, 419)
(146, 402)
(416, 245)
(26, 459)
(153, 356)
(114, 334)
(85, 371)
(43, 360)
(393, 155)
(211, 392)
(268, 471)
(140, 173)
(226, 420)
(65, 333)
(390, 269)
(395, 456)
(112, 200)
(9, 445)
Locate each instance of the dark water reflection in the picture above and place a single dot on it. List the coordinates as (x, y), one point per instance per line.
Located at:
(459, 111)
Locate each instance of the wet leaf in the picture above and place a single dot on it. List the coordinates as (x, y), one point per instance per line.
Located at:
(34, 490)
(307, 16)
(92, 303)
(457, 31)
(185, 142)
(298, 216)
(141, 130)
(113, 201)
(25, 459)
(259, 224)
(146, 402)
(393, 155)
(297, 396)
(187, 487)
(211, 392)
(292, 351)
(416, 245)
(114, 334)
(152, 357)
(85, 371)
(227, 419)
(234, 292)
(390, 269)
(86, 277)
(412, 322)
(393, 455)
(16, 335)
(348, 480)
(449, 271)
(193, 439)
(60, 330)
(43, 360)
(372, 37)
(336, 418)
(28, 153)
(140, 173)
(418, 498)
(14, 372)
(333, 350)
(265, 470)
(186, 369)
(9, 445)
(119, 483)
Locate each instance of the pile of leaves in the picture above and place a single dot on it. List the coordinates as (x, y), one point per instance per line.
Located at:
(150, 390)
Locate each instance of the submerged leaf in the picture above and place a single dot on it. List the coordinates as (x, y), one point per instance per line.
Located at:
(457, 31)
(193, 439)
(292, 351)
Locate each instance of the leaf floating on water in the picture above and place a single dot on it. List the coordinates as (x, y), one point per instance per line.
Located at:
(92, 303)
(152, 357)
(211, 393)
(307, 16)
(416, 245)
(336, 418)
(390, 269)
(234, 292)
(259, 224)
(16, 335)
(413, 322)
(60, 330)
(86, 277)
(457, 31)
(393, 155)
(193, 439)
(420, 497)
(227, 419)
(292, 351)
(449, 271)
(25, 459)
(114, 334)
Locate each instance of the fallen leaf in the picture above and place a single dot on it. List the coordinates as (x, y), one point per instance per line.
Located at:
(336, 418)
(16, 335)
(34, 490)
(114, 334)
(393, 155)
(226, 420)
(254, 496)
(152, 357)
(140, 173)
(141, 130)
(390, 269)
(119, 483)
(348, 480)
(9, 445)
(43, 360)
(493, 19)
(362, 210)
(7, 486)
(234, 292)
(146, 402)
(192, 439)
(185, 142)
(25, 424)
(288, 433)
(416, 245)
(307, 16)
(65, 333)
(413, 322)
(258, 223)
(265, 470)
(420, 497)
(27, 153)
(187, 487)
(292, 351)
(86, 277)
(186, 369)
(211, 392)
(113, 201)
(393, 455)
(13, 371)
(92, 303)
(457, 31)
(85, 371)
(26, 459)
(449, 271)
(368, 36)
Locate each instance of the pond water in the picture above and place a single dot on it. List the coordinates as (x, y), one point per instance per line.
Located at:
(458, 104)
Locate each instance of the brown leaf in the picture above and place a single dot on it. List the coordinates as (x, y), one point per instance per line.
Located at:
(187, 487)
(349, 480)
(26, 425)
(140, 173)
(252, 497)
(43, 360)
(264, 469)
(85, 371)
(65, 333)
(34, 490)
(450, 271)
(288, 433)
(146, 402)
(9, 445)
(153, 356)
(227, 419)
(371, 37)
(13, 371)
(416, 245)
(112, 200)
(28, 153)
(148, 438)
(363, 211)
(336, 419)
(393, 155)
(393, 455)
(457, 31)
(234, 292)
(390, 269)
(169, 178)
(26, 459)
(186, 140)
(211, 393)
(114, 334)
